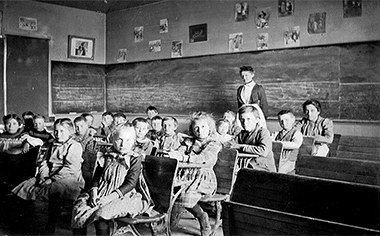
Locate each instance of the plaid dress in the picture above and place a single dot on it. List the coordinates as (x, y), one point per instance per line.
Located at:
(204, 183)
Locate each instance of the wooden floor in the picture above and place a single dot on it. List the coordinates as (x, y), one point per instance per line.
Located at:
(36, 217)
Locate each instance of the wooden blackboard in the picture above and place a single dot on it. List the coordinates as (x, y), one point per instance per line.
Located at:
(77, 87)
(344, 78)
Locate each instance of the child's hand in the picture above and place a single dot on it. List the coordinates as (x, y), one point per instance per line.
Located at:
(47, 182)
(93, 201)
(26, 148)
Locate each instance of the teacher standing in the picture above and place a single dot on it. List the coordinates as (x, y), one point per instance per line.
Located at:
(251, 92)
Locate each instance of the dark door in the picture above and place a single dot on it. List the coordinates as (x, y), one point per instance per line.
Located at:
(27, 75)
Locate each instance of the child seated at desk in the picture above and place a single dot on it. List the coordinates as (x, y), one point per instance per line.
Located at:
(222, 127)
(254, 139)
(291, 138)
(143, 144)
(202, 149)
(59, 175)
(84, 137)
(119, 119)
(39, 130)
(15, 140)
(234, 127)
(114, 191)
(169, 140)
(107, 126)
(156, 130)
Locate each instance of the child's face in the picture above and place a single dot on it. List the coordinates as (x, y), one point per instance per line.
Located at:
(151, 114)
(62, 133)
(12, 126)
(141, 129)
(119, 120)
(201, 129)
(81, 127)
(107, 120)
(229, 117)
(124, 141)
(39, 124)
(311, 112)
(89, 120)
(157, 125)
(223, 128)
(169, 127)
(248, 121)
(286, 121)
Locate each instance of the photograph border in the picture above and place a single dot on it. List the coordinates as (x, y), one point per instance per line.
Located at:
(71, 47)
(195, 28)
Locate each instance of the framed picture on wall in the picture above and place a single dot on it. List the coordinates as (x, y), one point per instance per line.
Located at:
(81, 47)
(197, 33)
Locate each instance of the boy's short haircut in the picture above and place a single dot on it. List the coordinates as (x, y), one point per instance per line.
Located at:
(123, 128)
(151, 108)
(27, 113)
(79, 119)
(156, 118)
(107, 113)
(85, 115)
(39, 116)
(283, 112)
(139, 119)
(119, 114)
(170, 118)
(247, 68)
(249, 108)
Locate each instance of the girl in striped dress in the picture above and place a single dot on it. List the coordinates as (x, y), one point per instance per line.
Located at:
(114, 189)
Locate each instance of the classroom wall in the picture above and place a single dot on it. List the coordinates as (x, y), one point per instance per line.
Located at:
(57, 23)
(219, 16)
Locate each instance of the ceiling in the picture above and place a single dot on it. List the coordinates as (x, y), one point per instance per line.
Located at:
(104, 6)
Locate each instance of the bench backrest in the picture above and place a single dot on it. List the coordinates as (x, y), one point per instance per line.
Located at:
(307, 146)
(277, 148)
(357, 147)
(334, 145)
(351, 170)
(343, 202)
(159, 174)
(225, 170)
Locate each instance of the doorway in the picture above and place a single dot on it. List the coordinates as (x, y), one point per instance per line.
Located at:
(27, 69)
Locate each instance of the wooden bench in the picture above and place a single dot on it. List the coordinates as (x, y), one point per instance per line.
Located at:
(307, 146)
(351, 170)
(160, 174)
(358, 147)
(279, 204)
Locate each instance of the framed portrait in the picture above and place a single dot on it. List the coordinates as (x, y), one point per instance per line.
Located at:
(81, 47)
(197, 33)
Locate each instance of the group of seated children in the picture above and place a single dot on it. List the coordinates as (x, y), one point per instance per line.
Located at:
(108, 185)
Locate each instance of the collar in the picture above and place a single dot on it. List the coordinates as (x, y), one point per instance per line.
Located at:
(251, 84)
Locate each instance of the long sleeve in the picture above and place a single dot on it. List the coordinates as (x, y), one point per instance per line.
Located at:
(327, 132)
(296, 141)
(132, 177)
(263, 101)
(261, 144)
(71, 164)
(208, 155)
